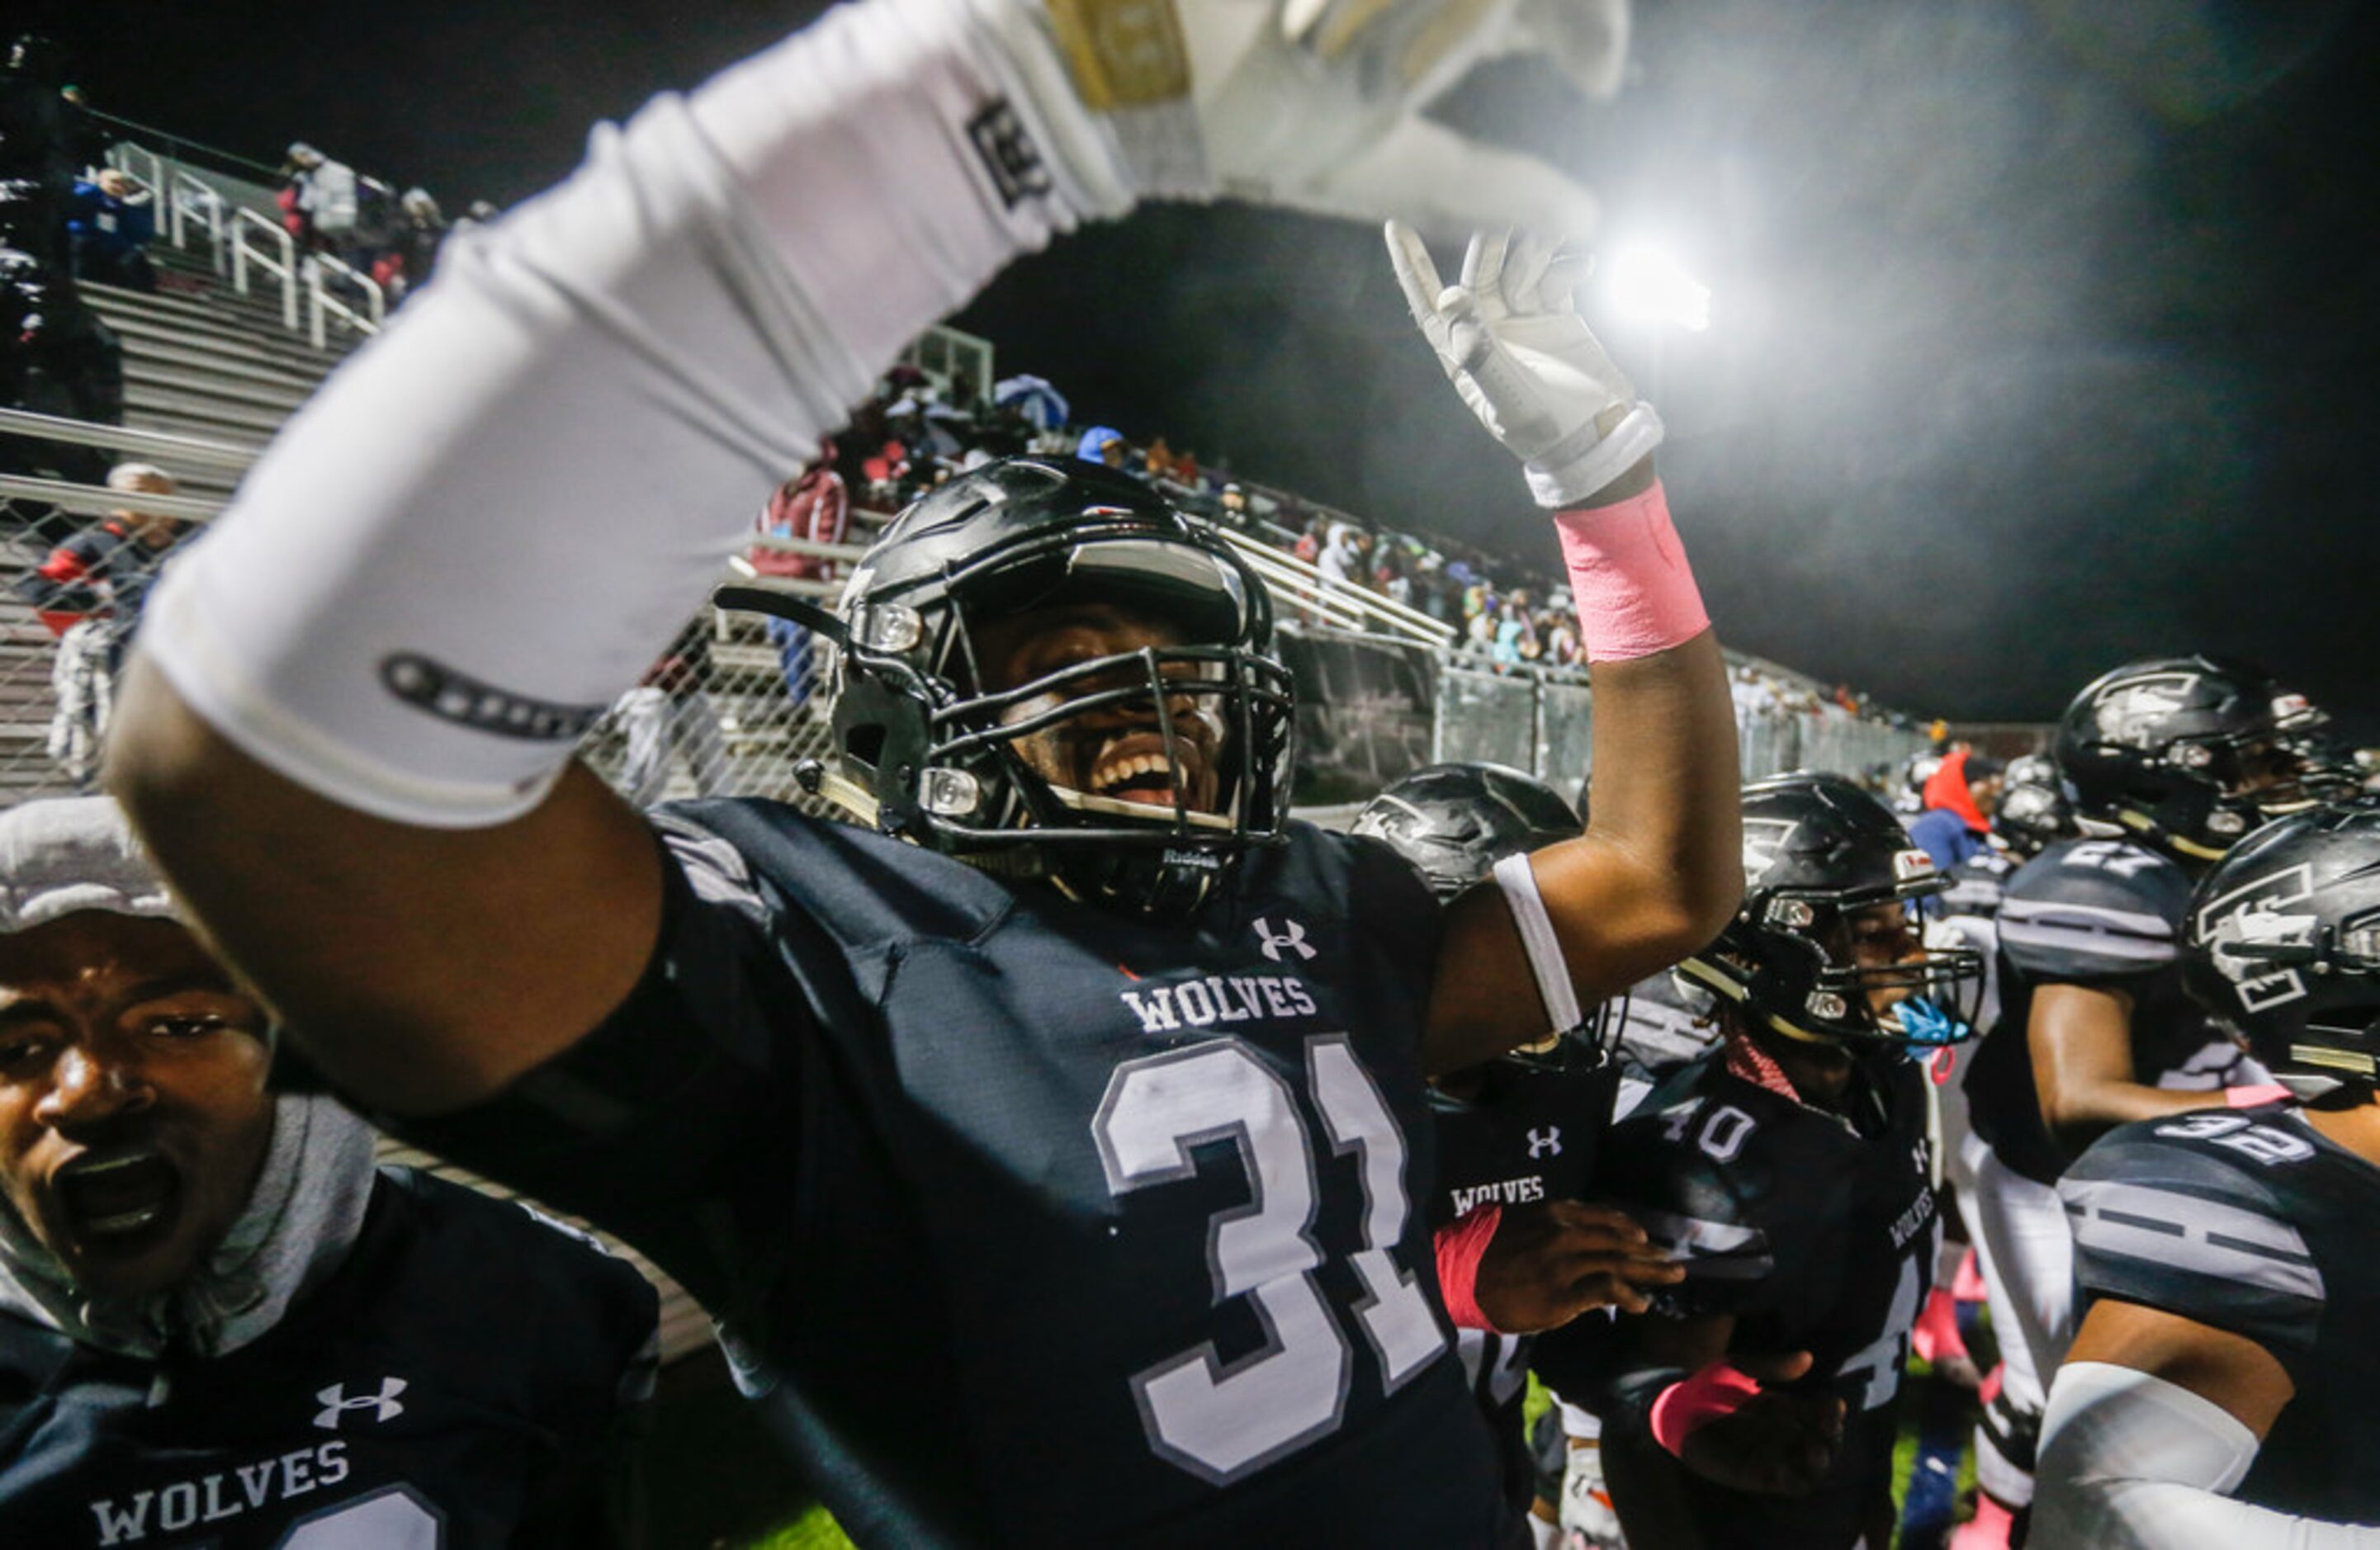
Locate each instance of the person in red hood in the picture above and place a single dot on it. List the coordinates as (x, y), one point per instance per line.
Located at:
(1959, 796)
(814, 506)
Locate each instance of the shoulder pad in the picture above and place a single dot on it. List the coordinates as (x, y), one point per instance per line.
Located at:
(2190, 1214)
(2093, 909)
(759, 856)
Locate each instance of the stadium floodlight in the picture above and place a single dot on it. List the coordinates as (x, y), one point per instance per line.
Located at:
(1650, 286)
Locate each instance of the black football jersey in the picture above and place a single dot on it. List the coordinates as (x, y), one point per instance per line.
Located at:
(462, 1380)
(1521, 1133)
(1134, 1205)
(2252, 1221)
(1816, 1234)
(2097, 913)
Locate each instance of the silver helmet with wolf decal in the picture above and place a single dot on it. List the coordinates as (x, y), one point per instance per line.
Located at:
(2283, 945)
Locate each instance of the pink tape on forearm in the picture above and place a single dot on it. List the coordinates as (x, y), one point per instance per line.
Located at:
(1697, 1400)
(1461, 1244)
(1628, 572)
(2263, 1093)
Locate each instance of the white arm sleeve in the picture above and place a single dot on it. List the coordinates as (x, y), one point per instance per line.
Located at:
(486, 524)
(2130, 1461)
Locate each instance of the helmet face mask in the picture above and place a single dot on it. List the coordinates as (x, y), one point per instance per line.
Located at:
(1829, 947)
(966, 734)
(2284, 946)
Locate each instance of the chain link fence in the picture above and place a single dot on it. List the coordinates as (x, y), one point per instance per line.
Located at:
(731, 707)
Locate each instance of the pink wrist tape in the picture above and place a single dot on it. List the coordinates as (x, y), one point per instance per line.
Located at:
(1461, 1244)
(2249, 1098)
(1628, 572)
(1697, 1400)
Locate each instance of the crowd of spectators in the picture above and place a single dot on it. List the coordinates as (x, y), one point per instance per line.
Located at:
(365, 224)
(56, 355)
(914, 432)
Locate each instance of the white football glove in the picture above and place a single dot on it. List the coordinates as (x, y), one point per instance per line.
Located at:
(1510, 339)
(1318, 104)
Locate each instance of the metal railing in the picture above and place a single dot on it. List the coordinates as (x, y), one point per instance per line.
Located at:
(1299, 582)
(322, 302)
(129, 159)
(188, 193)
(753, 715)
(246, 253)
(162, 445)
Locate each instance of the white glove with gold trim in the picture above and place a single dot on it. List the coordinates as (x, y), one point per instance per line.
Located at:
(1318, 104)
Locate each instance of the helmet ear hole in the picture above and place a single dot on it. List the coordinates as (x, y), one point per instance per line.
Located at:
(864, 746)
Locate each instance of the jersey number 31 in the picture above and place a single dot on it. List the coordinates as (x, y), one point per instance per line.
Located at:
(1223, 1421)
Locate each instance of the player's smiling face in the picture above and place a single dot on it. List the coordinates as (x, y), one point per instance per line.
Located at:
(133, 1110)
(1115, 751)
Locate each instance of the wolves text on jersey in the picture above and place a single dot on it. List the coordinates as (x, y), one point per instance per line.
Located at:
(220, 1494)
(1507, 1191)
(1218, 998)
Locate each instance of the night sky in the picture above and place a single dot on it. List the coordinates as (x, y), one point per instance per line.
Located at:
(2037, 342)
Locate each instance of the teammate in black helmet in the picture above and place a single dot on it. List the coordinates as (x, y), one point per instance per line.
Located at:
(1517, 1135)
(2170, 761)
(2034, 811)
(1080, 1087)
(2219, 1391)
(1791, 1170)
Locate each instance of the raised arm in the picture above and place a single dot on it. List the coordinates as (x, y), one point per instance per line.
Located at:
(348, 738)
(1659, 869)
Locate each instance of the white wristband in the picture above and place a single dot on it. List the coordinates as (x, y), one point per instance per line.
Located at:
(488, 524)
(1574, 470)
(1519, 882)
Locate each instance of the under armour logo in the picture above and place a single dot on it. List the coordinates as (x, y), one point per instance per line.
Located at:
(383, 1405)
(1546, 1142)
(1008, 153)
(1293, 938)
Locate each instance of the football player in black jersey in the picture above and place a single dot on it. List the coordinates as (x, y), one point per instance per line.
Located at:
(1516, 1135)
(219, 1321)
(2170, 761)
(2219, 1391)
(1791, 1170)
(1077, 1085)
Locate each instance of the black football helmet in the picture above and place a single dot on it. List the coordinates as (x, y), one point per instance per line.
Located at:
(2284, 945)
(2033, 812)
(926, 747)
(1817, 851)
(1453, 822)
(2187, 754)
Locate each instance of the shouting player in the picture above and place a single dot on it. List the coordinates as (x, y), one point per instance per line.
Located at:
(219, 1321)
(2171, 761)
(1077, 1086)
(2217, 1392)
(1756, 1404)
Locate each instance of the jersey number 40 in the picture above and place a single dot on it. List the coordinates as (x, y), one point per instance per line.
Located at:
(1223, 1421)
